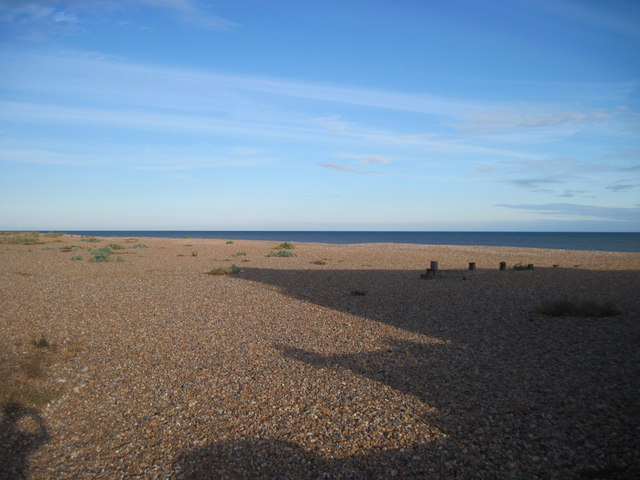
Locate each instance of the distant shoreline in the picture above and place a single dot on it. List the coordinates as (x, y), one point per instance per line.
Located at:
(588, 241)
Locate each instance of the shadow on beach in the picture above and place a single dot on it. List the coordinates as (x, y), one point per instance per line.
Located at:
(517, 394)
(22, 431)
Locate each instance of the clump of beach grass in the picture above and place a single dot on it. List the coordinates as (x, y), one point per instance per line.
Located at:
(100, 255)
(281, 253)
(17, 238)
(140, 245)
(88, 238)
(578, 308)
(284, 246)
(319, 262)
(239, 254)
(115, 246)
(224, 270)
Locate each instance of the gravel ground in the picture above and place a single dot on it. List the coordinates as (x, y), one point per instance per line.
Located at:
(339, 362)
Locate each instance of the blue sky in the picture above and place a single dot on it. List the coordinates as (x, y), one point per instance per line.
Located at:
(333, 115)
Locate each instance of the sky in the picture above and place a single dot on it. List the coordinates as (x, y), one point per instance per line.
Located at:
(397, 115)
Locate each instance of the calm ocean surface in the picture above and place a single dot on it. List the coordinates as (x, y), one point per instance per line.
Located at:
(613, 242)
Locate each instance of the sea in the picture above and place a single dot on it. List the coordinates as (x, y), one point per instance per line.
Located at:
(608, 242)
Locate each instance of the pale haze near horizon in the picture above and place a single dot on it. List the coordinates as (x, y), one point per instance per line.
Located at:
(285, 115)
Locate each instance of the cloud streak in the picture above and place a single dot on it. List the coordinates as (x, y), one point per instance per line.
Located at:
(629, 214)
(43, 17)
(346, 169)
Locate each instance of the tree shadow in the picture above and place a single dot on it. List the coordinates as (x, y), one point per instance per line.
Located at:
(516, 393)
(22, 431)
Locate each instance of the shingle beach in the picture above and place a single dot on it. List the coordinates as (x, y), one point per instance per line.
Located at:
(338, 362)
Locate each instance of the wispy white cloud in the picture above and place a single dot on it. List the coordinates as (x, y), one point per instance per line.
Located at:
(494, 122)
(365, 159)
(570, 193)
(624, 185)
(48, 16)
(346, 169)
(191, 12)
(630, 214)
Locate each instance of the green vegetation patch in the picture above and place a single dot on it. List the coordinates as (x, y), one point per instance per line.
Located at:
(239, 254)
(225, 270)
(87, 238)
(115, 246)
(30, 238)
(281, 253)
(284, 246)
(100, 255)
(584, 308)
(140, 245)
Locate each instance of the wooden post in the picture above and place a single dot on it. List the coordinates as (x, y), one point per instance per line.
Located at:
(530, 266)
(503, 266)
(472, 265)
(434, 266)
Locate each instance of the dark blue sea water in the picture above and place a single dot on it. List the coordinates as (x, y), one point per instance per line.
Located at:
(613, 242)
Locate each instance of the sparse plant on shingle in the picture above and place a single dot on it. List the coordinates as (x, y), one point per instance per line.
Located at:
(100, 255)
(29, 238)
(281, 253)
(224, 270)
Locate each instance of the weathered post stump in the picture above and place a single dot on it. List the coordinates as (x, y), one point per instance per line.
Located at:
(503, 266)
(530, 266)
(431, 271)
(472, 265)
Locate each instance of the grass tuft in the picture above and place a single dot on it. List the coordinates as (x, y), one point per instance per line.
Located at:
(281, 253)
(115, 246)
(140, 245)
(284, 246)
(30, 238)
(230, 242)
(225, 270)
(319, 262)
(584, 308)
(87, 238)
(100, 255)
(239, 254)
